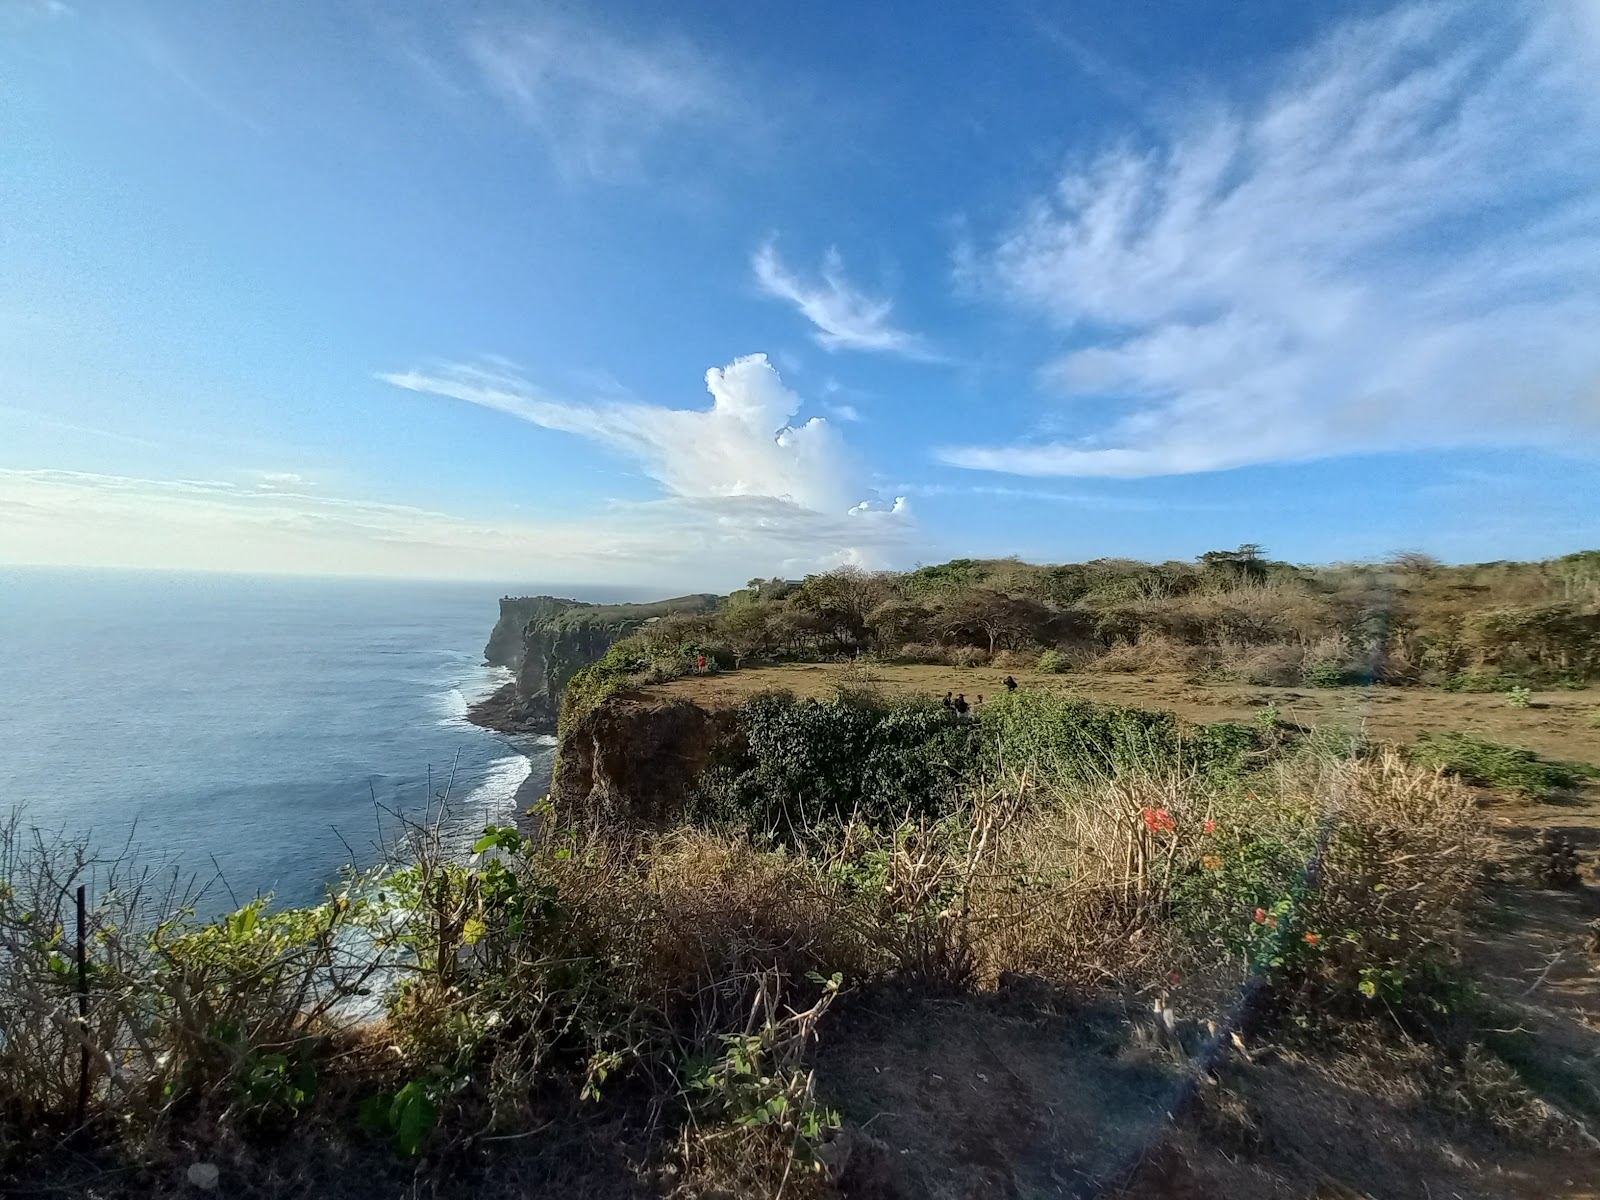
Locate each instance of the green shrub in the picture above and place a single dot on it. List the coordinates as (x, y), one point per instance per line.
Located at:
(813, 765)
(1052, 662)
(614, 672)
(1481, 682)
(1519, 697)
(1327, 672)
(1068, 740)
(1480, 761)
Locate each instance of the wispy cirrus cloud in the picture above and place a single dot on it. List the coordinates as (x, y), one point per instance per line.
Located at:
(1093, 501)
(845, 317)
(1399, 247)
(599, 99)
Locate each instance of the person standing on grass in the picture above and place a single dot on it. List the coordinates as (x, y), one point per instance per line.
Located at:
(948, 702)
(700, 665)
(1011, 684)
(961, 705)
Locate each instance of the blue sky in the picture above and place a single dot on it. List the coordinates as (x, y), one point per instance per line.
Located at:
(677, 295)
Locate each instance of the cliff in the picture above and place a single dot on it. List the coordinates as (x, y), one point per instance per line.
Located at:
(547, 640)
(504, 648)
(629, 764)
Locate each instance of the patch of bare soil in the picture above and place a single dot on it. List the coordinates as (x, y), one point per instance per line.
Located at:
(959, 1100)
(988, 1097)
(1535, 952)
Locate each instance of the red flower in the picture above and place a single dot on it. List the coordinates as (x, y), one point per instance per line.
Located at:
(1312, 939)
(1159, 820)
(1211, 826)
(1261, 916)
(1175, 979)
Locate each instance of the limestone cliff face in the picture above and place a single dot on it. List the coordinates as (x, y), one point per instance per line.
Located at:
(547, 640)
(553, 654)
(516, 614)
(628, 765)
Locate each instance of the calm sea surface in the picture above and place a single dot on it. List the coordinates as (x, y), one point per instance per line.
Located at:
(250, 724)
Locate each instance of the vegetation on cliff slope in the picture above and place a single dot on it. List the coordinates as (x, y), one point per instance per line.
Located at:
(1229, 615)
(582, 982)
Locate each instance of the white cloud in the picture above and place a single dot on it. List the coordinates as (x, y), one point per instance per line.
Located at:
(1090, 500)
(1398, 248)
(743, 445)
(281, 481)
(599, 99)
(845, 318)
(742, 464)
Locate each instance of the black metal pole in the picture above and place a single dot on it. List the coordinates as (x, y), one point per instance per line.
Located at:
(83, 1009)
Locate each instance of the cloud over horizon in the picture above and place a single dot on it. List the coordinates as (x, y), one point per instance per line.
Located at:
(742, 459)
(1330, 270)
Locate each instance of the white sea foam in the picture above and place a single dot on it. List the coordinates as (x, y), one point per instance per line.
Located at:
(452, 703)
(491, 802)
(451, 706)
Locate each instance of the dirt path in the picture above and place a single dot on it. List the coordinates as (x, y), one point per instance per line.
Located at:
(1536, 955)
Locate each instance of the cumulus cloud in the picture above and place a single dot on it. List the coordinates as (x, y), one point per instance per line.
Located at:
(845, 318)
(1399, 247)
(743, 462)
(597, 98)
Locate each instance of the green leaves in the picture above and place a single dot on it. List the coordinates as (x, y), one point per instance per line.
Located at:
(276, 1085)
(408, 1116)
(500, 837)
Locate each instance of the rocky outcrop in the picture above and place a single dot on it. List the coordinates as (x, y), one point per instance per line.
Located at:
(628, 765)
(547, 640)
(516, 614)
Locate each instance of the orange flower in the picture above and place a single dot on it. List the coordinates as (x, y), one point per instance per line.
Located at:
(1211, 862)
(1313, 939)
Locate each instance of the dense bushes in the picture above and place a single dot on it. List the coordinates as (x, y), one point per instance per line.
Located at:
(807, 766)
(1229, 615)
(801, 770)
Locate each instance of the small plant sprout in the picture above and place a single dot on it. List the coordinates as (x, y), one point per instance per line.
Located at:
(1519, 697)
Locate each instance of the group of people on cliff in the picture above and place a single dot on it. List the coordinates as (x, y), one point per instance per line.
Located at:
(958, 704)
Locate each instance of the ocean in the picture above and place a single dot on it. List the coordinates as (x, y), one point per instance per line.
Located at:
(260, 728)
